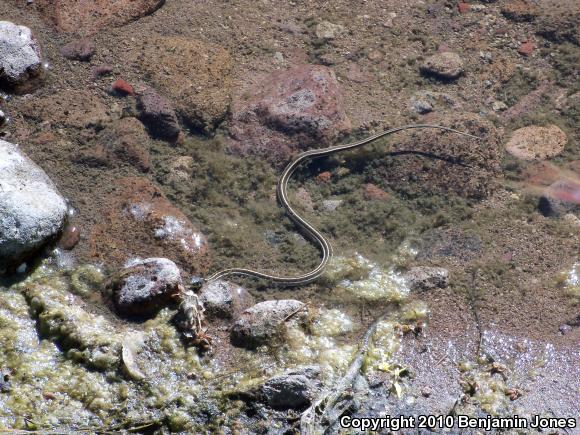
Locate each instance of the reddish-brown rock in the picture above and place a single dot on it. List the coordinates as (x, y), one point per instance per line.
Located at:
(288, 111)
(323, 177)
(87, 17)
(463, 7)
(140, 222)
(526, 48)
(520, 10)
(70, 237)
(373, 192)
(194, 75)
(123, 88)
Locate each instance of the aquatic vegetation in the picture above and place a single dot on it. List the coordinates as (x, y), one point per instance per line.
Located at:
(362, 280)
(570, 281)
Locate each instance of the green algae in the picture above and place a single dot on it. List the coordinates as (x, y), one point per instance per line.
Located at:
(570, 281)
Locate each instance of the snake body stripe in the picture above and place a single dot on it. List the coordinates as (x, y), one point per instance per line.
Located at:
(307, 228)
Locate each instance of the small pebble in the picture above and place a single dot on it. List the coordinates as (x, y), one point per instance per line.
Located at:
(70, 237)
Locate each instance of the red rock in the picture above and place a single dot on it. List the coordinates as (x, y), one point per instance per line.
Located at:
(463, 7)
(141, 222)
(123, 88)
(527, 48)
(374, 193)
(288, 111)
(323, 177)
(87, 17)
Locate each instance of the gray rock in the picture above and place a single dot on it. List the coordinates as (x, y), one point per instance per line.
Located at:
(421, 105)
(427, 278)
(143, 287)
(331, 204)
(3, 119)
(157, 113)
(446, 65)
(20, 58)
(32, 211)
(293, 390)
(224, 299)
(265, 322)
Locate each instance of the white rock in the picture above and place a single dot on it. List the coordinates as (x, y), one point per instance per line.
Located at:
(32, 211)
(20, 57)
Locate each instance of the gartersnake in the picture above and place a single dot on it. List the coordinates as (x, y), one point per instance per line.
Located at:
(308, 229)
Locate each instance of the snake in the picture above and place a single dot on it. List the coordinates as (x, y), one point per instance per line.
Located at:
(307, 228)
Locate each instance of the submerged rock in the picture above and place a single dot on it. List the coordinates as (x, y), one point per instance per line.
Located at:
(69, 108)
(143, 287)
(224, 299)
(89, 17)
(288, 110)
(139, 221)
(560, 198)
(32, 211)
(157, 113)
(79, 49)
(446, 65)
(427, 278)
(195, 75)
(20, 58)
(537, 143)
(293, 390)
(265, 321)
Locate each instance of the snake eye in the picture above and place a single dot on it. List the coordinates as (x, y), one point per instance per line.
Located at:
(196, 282)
